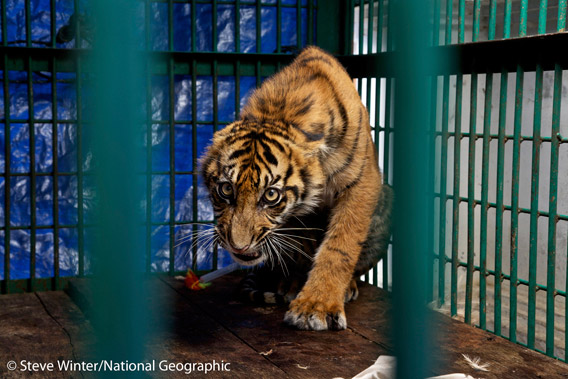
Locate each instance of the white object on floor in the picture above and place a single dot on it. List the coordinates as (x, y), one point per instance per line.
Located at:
(219, 273)
(385, 368)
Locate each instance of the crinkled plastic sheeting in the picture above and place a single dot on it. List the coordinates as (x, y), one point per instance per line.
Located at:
(20, 187)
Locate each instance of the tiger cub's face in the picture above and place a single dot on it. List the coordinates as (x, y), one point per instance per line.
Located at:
(256, 182)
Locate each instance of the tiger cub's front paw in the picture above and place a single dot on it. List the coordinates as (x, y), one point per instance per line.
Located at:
(312, 313)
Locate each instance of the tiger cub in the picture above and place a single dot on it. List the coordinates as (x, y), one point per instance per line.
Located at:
(301, 160)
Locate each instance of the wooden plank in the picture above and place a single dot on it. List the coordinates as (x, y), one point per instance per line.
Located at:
(72, 321)
(505, 359)
(301, 354)
(28, 332)
(189, 335)
(182, 333)
(332, 354)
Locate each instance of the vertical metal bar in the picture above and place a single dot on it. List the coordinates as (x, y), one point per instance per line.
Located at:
(485, 180)
(4, 28)
(171, 26)
(118, 303)
(457, 169)
(193, 25)
(561, 25)
(534, 206)
(449, 16)
(500, 209)
(171, 118)
(259, 27)
(351, 27)
(471, 198)
(370, 24)
(443, 191)
(542, 16)
(456, 195)
(28, 17)
(148, 192)
(443, 162)
(7, 165)
(279, 25)
(471, 175)
(310, 22)
(507, 18)
(514, 282)
(298, 23)
(238, 26)
(412, 257)
(461, 26)
(388, 125)
(80, 176)
(380, 25)
(492, 19)
(194, 156)
(214, 21)
(551, 282)
(54, 146)
(237, 89)
(361, 26)
(215, 128)
(552, 215)
(52, 21)
(523, 18)
(33, 181)
(484, 202)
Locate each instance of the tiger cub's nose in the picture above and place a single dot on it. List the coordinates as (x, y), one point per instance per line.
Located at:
(241, 250)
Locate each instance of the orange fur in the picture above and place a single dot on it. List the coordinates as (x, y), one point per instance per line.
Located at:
(306, 135)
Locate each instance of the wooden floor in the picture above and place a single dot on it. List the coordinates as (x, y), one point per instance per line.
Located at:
(210, 325)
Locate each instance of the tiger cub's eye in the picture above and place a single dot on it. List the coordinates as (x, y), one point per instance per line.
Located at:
(271, 196)
(225, 190)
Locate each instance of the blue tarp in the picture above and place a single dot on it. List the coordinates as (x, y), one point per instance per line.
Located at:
(19, 108)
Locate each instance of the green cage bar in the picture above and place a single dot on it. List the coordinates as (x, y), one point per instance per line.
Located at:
(552, 218)
(118, 291)
(411, 143)
(54, 143)
(7, 168)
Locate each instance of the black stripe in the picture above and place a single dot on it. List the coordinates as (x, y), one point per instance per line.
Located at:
(312, 136)
(239, 153)
(342, 252)
(308, 103)
(270, 157)
(336, 98)
(312, 59)
(306, 179)
(351, 155)
(289, 173)
(294, 190)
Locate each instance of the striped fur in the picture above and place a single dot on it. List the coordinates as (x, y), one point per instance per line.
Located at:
(301, 160)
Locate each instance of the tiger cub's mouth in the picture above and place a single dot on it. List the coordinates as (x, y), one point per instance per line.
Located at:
(250, 258)
(247, 257)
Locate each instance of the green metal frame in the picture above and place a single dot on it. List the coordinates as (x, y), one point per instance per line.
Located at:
(473, 58)
(335, 32)
(168, 63)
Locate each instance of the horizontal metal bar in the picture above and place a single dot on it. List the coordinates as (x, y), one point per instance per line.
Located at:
(489, 272)
(485, 56)
(74, 226)
(507, 137)
(476, 202)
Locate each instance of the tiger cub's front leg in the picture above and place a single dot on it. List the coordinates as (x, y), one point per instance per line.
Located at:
(320, 304)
